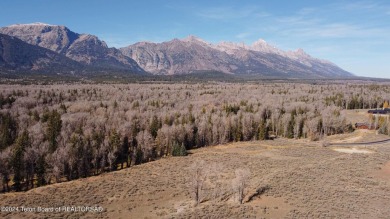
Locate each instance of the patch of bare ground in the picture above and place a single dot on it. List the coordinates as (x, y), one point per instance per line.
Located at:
(358, 136)
(353, 150)
(288, 179)
(383, 172)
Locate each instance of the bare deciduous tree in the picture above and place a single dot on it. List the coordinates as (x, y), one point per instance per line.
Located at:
(240, 183)
(199, 174)
(146, 143)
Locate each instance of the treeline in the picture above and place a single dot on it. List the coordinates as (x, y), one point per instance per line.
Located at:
(58, 133)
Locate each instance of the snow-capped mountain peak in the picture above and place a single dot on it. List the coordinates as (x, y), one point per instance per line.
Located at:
(32, 24)
(194, 39)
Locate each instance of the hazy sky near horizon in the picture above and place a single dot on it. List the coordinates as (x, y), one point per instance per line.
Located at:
(355, 35)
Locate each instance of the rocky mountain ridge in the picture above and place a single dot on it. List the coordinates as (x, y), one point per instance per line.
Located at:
(18, 55)
(178, 56)
(181, 56)
(86, 49)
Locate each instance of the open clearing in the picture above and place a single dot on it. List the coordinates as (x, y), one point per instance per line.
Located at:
(353, 150)
(356, 115)
(301, 180)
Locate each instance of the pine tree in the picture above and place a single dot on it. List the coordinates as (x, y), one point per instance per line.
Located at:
(320, 127)
(138, 156)
(290, 127)
(8, 130)
(183, 150)
(86, 158)
(124, 155)
(300, 132)
(22, 143)
(154, 126)
(179, 150)
(41, 170)
(115, 145)
(263, 131)
(76, 154)
(54, 125)
(5, 170)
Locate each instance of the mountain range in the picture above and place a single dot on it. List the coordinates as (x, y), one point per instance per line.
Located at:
(18, 55)
(85, 49)
(51, 48)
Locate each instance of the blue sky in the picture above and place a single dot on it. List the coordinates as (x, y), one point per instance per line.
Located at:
(353, 34)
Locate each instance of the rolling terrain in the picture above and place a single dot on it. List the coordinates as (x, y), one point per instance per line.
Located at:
(297, 179)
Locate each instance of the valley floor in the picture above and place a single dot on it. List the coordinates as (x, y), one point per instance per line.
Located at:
(299, 179)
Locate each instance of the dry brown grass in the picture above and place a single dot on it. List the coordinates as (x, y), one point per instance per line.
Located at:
(356, 115)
